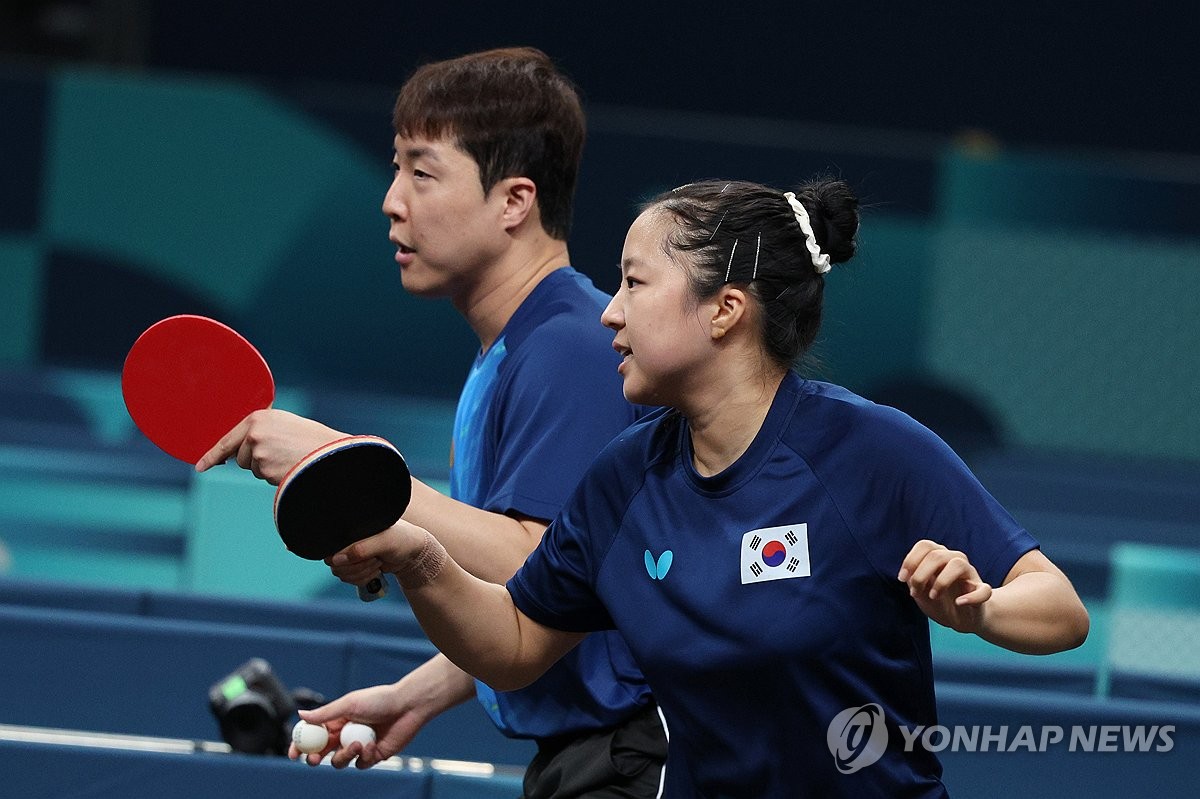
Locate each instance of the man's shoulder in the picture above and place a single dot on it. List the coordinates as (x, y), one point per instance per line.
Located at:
(564, 298)
(561, 320)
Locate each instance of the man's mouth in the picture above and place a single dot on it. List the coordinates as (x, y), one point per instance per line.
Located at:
(404, 253)
(401, 247)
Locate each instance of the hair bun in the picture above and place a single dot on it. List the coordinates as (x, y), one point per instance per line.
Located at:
(833, 207)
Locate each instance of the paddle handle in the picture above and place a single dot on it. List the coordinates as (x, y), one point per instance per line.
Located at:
(373, 589)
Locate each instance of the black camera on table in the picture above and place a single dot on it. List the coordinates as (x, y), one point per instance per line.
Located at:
(255, 710)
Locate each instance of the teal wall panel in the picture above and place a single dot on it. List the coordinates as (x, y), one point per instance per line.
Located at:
(203, 181)
(21, 298)
(1103, 192)
(873, 326)
(1080, 341)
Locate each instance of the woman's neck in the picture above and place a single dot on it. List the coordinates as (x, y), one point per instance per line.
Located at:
(725, 426)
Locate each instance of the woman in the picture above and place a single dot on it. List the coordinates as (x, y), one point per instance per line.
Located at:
(770, 547)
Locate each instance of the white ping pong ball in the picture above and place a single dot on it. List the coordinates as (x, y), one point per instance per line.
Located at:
(353, 731)
(309, 738)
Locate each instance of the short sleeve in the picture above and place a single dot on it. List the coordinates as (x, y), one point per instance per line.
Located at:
(556, 585)
(917, 488)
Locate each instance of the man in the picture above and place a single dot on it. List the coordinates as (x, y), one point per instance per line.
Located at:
(487, 152)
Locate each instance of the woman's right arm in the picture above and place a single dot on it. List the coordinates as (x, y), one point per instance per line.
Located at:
(472, 622)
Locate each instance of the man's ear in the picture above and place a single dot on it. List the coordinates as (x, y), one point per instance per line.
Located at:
(728, 311)
(520, 200)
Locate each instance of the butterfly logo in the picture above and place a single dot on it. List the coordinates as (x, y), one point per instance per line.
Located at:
(658, 570)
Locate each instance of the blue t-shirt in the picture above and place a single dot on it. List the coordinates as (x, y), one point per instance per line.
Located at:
(762, 602)
(536, 409)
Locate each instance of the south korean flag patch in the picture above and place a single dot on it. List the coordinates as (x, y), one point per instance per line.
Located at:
(775, 553)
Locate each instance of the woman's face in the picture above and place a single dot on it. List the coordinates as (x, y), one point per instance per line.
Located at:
(661, 330)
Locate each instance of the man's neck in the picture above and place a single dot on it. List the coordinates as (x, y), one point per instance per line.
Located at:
(493, 300)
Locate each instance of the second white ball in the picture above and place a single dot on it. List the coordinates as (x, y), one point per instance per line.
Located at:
(353, 731)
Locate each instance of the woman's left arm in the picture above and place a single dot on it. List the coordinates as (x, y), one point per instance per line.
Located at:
(1036, 611)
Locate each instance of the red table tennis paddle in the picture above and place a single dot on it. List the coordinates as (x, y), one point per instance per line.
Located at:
(341, 493)
(188, 380)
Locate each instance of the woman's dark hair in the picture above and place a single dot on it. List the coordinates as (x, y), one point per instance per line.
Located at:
(513, 112)
(740, 232)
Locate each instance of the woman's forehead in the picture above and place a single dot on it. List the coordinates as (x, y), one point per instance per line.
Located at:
(648, 236)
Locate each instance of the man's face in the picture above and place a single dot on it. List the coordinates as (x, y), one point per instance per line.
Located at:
(446, 231)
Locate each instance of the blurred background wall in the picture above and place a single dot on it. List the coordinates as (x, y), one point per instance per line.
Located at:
(1031, 175)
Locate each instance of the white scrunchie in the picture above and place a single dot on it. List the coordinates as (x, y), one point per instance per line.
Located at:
(820, 260)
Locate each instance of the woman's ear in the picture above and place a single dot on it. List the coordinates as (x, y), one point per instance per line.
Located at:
(728, 310)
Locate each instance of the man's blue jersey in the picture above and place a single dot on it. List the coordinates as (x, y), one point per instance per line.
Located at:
(536, 409)
(763, 602)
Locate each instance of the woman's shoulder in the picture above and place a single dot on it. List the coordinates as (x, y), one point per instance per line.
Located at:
(651, 438)
(831, 415)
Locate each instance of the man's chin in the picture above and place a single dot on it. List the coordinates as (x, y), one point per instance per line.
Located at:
(418, 287)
